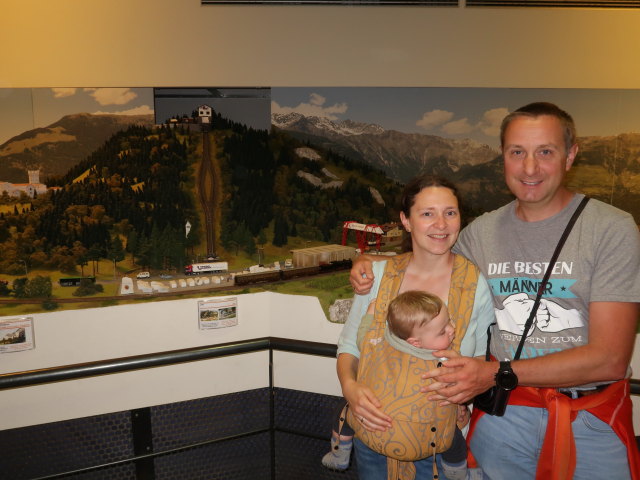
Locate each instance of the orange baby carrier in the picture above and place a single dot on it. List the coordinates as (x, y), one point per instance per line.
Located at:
(420, 427)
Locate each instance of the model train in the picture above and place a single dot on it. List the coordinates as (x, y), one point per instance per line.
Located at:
(206, 268)
(289, 273)
(75, 281)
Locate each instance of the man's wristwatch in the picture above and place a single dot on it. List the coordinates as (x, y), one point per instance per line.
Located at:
(505, 378)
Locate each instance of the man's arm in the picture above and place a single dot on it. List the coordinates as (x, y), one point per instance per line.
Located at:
(361, 276)
(612, 332)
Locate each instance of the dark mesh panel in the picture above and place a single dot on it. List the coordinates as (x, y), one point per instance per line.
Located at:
(245, 458)
(303, 426)
(126, 471)
(64, 446)
(178, 424)
(298, 458)
(304, 412)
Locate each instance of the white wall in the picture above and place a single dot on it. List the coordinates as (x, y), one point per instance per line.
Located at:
(70, 337)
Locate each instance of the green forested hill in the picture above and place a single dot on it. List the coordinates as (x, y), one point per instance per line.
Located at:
(137, 190)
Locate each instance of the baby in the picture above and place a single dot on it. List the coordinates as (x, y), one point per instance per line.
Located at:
(421, 320)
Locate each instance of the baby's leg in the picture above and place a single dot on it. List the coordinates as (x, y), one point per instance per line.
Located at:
(341, 443)
(454, 460)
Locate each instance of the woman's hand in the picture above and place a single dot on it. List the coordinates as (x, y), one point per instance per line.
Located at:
(362, 402)
(365, 406)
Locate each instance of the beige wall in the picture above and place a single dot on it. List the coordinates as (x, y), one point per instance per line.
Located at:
(145, 43)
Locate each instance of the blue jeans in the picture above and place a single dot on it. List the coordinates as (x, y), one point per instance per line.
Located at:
(373, 466)
(508, 447)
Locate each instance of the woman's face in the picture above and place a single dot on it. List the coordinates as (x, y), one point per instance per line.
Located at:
(434, 220)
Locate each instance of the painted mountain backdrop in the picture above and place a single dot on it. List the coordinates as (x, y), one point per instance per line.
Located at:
(399, 154)
(607, 168)
(56, 148)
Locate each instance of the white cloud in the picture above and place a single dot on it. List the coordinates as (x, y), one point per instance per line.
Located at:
(434, 118)
(458, 127)
(317, 99)
(315, 108)
(63, 92)
(491, 120)
(141, 110)
(442, 120)
(111, 96)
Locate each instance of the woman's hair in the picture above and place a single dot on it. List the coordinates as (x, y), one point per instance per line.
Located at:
(412, 309)
(413, 188)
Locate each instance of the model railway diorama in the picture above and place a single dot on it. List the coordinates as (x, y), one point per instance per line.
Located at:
(304, 263)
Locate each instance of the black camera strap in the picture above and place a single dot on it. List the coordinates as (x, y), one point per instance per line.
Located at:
(543, 283)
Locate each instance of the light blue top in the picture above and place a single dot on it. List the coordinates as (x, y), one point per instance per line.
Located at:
(473, 344)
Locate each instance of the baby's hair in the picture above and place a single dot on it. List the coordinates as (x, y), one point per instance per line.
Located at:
(412, 309)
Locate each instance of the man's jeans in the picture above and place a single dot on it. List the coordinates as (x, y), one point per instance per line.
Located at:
(508, 447)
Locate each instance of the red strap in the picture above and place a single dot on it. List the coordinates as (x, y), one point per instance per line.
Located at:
(557, 459)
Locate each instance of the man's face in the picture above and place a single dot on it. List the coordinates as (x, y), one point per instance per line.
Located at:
(536, 162)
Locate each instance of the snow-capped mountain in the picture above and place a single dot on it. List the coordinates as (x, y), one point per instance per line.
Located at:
(400, 155)
(322, 126)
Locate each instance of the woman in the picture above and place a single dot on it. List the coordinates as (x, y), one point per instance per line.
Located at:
(430, 214)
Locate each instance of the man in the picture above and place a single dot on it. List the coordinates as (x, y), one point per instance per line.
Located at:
(581, 342)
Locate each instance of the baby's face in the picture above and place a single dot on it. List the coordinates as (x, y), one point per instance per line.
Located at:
(437, 334)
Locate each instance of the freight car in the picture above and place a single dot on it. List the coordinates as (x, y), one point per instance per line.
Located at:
(242, 279)
(336, 265)
(258, 277)
(290, 273)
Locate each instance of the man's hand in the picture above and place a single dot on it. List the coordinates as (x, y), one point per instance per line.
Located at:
(459, 379)
(361, 276)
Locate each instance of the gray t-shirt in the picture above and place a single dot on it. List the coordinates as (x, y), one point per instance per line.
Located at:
(599, 262)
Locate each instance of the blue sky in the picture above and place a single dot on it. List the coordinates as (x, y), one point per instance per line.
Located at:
(23, 109)
(451, 112)
(460, 112)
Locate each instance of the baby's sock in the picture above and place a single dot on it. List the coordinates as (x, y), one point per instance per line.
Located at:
(455, 471)
(340, 454)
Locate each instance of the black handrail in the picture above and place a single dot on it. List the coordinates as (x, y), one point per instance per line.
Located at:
(138, 362)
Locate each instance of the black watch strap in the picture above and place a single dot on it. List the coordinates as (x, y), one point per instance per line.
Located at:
(505, 366)
(506, 378)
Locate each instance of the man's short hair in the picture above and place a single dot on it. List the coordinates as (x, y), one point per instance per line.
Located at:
(412, 309)
(537, 109)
